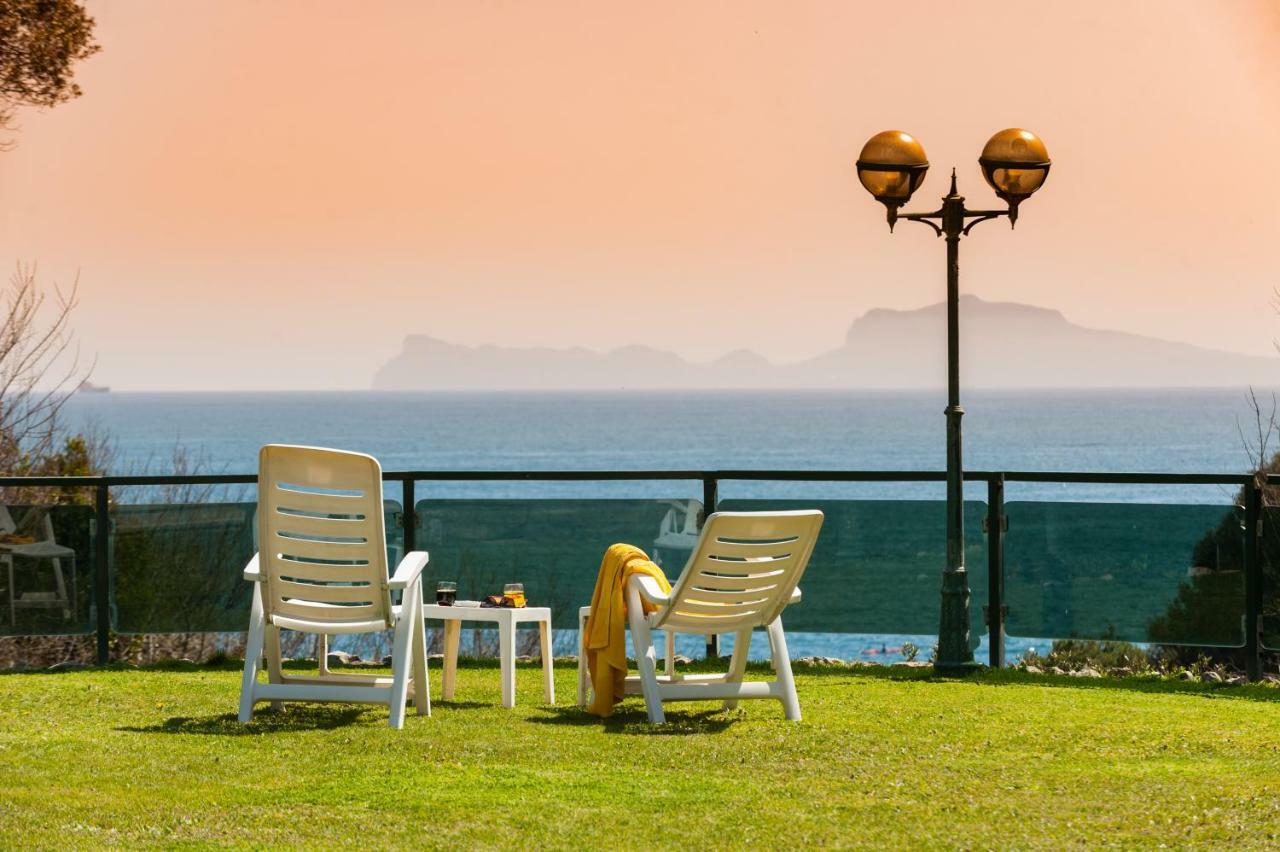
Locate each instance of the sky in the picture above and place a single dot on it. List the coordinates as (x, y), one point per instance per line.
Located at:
(272, 195)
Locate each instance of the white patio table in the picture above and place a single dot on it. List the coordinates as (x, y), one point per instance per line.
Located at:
(506, 619)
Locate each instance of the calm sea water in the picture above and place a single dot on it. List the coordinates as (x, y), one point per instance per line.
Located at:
(1147, 431)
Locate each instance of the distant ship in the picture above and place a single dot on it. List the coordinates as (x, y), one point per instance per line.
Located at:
(90, 387)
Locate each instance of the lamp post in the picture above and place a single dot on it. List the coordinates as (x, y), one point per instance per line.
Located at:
(891, 167)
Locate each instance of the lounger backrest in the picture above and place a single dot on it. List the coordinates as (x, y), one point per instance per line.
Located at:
(321, 540)
(743, 571)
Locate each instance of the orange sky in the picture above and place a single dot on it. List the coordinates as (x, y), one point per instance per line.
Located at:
(270, 195)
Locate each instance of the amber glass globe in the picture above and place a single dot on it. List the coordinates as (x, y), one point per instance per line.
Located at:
(1015, 163)
(892, 166)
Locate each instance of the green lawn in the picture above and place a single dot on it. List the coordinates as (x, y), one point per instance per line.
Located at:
(123, 757)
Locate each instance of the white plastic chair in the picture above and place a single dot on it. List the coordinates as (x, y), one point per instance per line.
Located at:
(742, 574)
(63, 594)
(321, 568)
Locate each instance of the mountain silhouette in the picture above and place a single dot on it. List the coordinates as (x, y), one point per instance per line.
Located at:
(1003, 345)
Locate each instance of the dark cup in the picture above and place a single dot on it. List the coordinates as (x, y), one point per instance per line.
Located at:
(446, 593)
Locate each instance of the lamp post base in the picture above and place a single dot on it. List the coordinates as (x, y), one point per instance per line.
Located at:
(955, 657)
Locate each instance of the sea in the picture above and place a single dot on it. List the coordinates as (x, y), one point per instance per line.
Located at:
(1173, 431)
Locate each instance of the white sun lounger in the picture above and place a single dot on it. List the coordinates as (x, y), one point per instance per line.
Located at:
(742, 574)
(321, 568)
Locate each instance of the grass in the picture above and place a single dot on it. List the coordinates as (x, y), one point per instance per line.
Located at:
(883, 757)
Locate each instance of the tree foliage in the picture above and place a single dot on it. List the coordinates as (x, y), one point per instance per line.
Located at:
(40, 43)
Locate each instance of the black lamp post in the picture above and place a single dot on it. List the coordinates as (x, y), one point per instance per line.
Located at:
(891, 167)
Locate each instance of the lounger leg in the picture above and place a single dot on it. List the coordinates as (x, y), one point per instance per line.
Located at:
(669, 666)
(582, 660)
(738, 663)
(782, 665)
(548, 674)
(400, 660)
(322, 653)
(646, 658)
(507, 661)
(275, 672)
(252, 658)
(449, 677)
(421, 685)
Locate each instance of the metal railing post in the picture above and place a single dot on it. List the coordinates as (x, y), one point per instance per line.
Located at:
(1252, 579)
(710, 495)
(409, 520)
(101, 570)
(995, 568)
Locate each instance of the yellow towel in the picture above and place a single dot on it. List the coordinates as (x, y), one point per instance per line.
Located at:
(606, 641)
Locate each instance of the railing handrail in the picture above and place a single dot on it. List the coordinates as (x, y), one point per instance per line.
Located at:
(790, 475)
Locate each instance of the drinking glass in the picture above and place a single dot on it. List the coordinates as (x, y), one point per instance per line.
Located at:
(513, 594)
(446, 593)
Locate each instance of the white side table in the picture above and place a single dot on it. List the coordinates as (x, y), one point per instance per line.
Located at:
(506, 619)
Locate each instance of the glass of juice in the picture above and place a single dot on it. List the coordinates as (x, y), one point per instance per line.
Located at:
(513, 595)
(446, 592)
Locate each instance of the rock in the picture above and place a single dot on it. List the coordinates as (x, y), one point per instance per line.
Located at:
(68, 666)
(341, 658)
(1238, 680)
(435, 656)
(1088, 671)
(1033, 670)
(1211, 677)
(1121, 671)
(1186, 675)
(681, 660)
(524, 658)
(912, 664)
(1058, 670)
(388, 660)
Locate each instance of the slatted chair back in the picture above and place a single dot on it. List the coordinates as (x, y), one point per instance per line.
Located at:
(742, 572)
(321, 538)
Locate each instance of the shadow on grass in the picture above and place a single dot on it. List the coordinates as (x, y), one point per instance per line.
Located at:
(301, 717)
(634, 720)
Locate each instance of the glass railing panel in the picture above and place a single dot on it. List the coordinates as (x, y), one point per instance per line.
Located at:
(1166, 574)
(178, 567)
(1269, 567)
(552, 546)
(877, 566)
(47, 569)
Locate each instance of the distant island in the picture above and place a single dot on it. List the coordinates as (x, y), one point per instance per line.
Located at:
(1004, 345)
(89, 387)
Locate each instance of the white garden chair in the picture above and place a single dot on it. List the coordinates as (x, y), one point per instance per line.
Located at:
(742, 574)
(321, 568)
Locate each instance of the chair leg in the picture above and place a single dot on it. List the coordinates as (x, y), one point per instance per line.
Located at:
(322, 653)
(669, 666)
(738, 663)
(646, 657)
(275, 672)
(252, 658)
(421, 684)
(582, 660)
(401, 651)
(782, 665)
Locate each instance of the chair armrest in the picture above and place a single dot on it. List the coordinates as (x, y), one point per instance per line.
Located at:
(795, 596)
(252, 572)
(649, 590)
(409, 569)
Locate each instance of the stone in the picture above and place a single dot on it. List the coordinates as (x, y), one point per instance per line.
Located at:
(1211, 677)
(912, 664)
(681, 660)
(1033, 670)
(1058, 670)
(1186, 674)
(1238, 680)
(341, 658)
